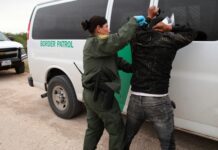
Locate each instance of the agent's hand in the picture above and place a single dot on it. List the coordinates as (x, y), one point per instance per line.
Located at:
(152, 12)
(140, 20)
(162, 27)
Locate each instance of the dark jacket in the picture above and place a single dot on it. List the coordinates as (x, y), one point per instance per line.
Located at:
(153, 54)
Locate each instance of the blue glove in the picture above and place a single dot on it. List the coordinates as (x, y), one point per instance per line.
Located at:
(140, 20)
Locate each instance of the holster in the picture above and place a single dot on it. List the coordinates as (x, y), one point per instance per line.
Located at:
(107, 92)
(108, 98)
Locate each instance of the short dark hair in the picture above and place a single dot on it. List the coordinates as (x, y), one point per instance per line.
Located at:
(93, 23)
(201, 36)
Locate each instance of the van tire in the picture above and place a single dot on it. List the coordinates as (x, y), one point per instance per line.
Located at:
(62, 97)
(20, 68)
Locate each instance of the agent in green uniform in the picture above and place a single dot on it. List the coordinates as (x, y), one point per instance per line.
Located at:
(100, 79)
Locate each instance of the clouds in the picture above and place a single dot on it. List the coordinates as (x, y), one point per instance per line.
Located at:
(15, 14)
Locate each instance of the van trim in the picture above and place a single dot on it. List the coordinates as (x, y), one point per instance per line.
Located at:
(195, 128)
(109, 11)
(54, 2)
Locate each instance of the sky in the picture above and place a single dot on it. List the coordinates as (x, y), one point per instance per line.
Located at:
(15, 14)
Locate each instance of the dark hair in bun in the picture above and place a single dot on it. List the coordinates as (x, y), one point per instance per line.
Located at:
(93, 23)
(85, 24)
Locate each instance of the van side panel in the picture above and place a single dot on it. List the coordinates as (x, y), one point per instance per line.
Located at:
(57, 39)
(193, 86)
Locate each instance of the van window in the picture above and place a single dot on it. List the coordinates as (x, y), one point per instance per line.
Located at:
(124, 9)
(63, 21)
(199, 14)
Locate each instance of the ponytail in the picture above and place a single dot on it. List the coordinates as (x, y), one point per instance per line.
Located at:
(93, 23)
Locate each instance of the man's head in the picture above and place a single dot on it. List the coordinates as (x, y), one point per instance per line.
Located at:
(156, 24)
(201, 36)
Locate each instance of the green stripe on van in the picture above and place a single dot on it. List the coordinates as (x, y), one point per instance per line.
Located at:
(126, 54)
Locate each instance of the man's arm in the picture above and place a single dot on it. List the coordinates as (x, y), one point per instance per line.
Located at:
(183, 35)
(124, 65)
(180, 36)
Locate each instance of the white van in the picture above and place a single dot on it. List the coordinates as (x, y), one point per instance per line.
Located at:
(56, 41)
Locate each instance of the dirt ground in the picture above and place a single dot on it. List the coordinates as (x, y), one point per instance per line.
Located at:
(28, 123)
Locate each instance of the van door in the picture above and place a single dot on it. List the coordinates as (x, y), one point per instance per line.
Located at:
(194, 78)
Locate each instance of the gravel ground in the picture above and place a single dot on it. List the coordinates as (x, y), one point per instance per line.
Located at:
(28, 123)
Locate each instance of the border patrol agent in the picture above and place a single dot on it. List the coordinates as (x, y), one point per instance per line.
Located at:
(100, 79)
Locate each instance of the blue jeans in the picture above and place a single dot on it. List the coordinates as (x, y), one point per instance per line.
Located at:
(158, 111)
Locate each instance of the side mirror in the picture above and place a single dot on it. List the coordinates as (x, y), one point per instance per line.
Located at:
(11, 38)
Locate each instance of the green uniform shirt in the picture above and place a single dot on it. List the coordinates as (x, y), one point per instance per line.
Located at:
(100, 54)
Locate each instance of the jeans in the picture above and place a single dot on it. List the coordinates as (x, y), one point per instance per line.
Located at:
(158, 111)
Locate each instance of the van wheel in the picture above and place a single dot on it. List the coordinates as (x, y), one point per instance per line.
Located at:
(20, 68)
(62, 97)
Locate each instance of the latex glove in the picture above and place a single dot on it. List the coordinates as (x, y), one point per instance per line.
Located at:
(140, 20)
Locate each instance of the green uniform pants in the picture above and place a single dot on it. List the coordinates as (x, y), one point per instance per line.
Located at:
(98, 118)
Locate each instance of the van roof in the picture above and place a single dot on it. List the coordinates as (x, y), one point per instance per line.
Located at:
(51, 1)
